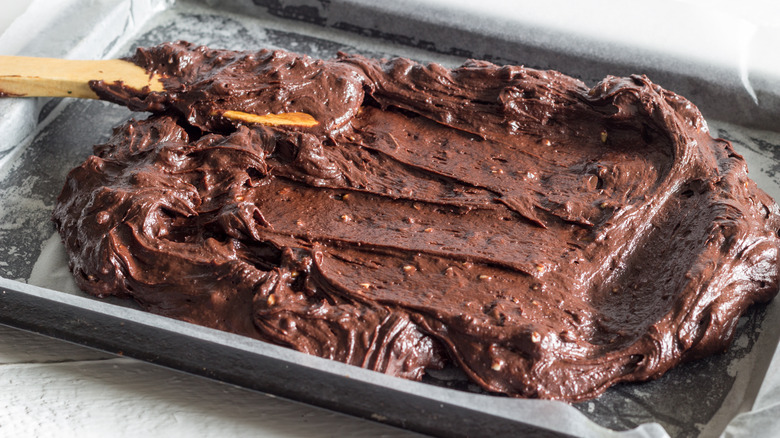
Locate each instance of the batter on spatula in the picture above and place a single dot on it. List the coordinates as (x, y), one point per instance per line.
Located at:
(549, 239)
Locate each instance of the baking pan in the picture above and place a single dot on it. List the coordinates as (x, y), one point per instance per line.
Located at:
(699, 398)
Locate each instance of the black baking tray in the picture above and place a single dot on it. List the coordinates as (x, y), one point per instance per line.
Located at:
(260, 366)
(444, 404)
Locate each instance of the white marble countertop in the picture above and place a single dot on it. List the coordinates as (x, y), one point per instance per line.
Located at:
(53, 388)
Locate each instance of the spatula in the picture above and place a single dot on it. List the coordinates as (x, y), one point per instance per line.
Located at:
(22, 76)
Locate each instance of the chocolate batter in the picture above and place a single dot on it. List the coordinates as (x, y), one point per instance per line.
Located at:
(550, 239)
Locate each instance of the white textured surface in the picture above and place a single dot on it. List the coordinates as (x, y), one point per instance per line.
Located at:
(11, 9)
(52, 388)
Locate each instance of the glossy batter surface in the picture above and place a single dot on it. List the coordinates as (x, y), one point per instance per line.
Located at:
(550, 239)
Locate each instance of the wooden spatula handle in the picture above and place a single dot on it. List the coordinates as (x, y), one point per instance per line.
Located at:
(28, 76)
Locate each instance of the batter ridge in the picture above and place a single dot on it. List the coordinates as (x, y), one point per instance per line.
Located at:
(548, 238)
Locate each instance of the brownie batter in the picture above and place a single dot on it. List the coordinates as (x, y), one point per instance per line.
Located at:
(550, 239)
